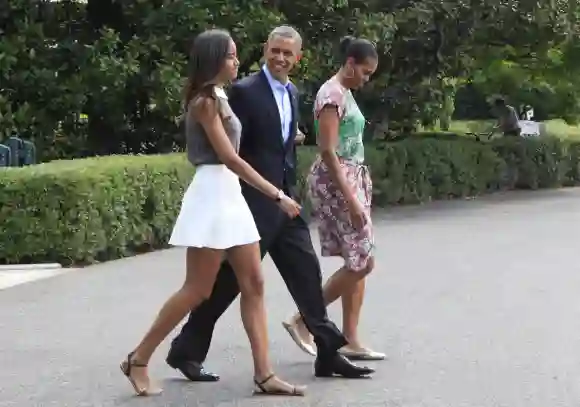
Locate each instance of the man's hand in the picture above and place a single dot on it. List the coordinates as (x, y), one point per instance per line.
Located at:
(300, 137)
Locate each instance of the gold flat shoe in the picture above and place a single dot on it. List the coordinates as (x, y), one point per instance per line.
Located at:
(293, 331)
(362, 354)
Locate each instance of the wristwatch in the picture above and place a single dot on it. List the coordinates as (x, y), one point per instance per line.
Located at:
(280, 195)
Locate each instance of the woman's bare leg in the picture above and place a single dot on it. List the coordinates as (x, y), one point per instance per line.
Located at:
(351, 308)
(343, 282)
(246, 262)
(202, 266)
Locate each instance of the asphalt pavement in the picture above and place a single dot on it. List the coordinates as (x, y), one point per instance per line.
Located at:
(476, 303)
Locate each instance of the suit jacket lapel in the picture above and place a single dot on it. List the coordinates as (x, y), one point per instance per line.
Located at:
(294, 123)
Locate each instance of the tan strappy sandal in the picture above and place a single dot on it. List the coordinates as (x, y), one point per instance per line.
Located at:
(126, 367)
(294, 391)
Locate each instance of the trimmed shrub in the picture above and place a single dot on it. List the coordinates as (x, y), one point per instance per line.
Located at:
(82, 211)
(422, 135)
(96, 209)
(535, 162)
(414, 171)
(573, 170)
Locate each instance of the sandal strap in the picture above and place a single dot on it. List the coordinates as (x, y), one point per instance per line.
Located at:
(133, 363)
(261, 383)
(137, 364)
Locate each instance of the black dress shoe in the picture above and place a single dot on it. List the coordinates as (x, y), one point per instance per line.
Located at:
(338, 365)
(194, 371)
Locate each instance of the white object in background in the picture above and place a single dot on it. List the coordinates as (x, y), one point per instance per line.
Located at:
(529, 114)
(529, 128)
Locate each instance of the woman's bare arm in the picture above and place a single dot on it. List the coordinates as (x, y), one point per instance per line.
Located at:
(328, 125)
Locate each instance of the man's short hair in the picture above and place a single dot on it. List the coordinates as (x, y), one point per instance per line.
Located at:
(286, 31)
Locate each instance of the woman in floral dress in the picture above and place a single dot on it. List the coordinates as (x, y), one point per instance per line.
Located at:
(340, 190)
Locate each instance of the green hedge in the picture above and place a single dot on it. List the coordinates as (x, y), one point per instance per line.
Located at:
(96, 209)
(89, 210)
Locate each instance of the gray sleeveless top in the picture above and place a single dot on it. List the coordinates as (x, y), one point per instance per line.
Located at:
(199, 148)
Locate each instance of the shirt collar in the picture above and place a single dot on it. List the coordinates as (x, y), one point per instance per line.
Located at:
(274, 83)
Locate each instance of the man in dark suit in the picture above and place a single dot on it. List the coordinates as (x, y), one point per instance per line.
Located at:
(267, 105)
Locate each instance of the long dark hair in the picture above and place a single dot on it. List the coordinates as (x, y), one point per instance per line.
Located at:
(206, 59)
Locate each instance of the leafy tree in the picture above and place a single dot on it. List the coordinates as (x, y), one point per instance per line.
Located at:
(105, 76)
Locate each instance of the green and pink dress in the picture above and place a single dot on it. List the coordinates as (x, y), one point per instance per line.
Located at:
(337, 235)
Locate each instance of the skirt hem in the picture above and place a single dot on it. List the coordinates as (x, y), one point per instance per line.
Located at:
(214, 246)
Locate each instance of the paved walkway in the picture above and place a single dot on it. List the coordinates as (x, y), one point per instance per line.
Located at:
(476, 303)
(13, 275)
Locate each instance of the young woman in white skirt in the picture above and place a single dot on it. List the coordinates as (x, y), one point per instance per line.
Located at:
(215, 220)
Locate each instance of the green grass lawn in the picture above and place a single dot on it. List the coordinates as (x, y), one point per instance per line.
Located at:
(557, 128)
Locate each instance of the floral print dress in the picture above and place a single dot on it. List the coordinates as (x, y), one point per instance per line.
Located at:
(338, 237)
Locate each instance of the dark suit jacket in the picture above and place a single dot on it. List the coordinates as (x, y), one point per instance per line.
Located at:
(262, 145)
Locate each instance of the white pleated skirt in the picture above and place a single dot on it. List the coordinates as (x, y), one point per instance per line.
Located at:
(214, 213)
